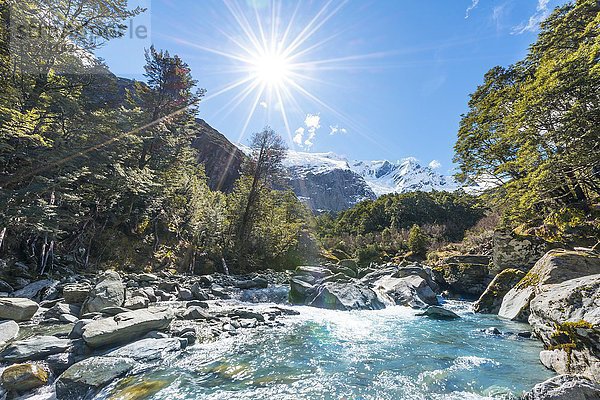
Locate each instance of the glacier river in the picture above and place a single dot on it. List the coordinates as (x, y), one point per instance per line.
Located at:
(323, 354)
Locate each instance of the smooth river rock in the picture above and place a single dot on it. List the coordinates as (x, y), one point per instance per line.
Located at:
(147, 349)
(565, 387)
(437, 312)
(125, 327)
(8, 331)
(90, 375)
(346, 296)
(17, 309)
(34, 348)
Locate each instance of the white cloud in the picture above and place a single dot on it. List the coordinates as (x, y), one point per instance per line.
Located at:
(299, 136)
(474, 4)
(312, 121)
(532, 25)
(263, 104)
(435, 164)
(335, 129)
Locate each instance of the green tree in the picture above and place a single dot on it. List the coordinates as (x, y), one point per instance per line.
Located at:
(417, 240)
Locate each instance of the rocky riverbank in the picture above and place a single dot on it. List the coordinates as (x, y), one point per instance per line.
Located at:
(72, 337)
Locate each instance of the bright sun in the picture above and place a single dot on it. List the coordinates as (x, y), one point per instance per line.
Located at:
(271, 69)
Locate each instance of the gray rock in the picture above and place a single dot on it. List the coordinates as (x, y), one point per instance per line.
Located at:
(146, 277)
(185, 295)
(412, 291)
(76, 293)
(35, 348)
(565, 387)
(491, 300)
(112, 311)
(555, 267)
(301, 291)
(125, 327)
(195, 312)
(437, 312)
(198, 292)
(346, 296)
(147, 349)
(137, 302)
(108, 292)
(566, 317)
(77, 330)
(62, 308)
(67, 318)
(90, 375)
(17, 309)
(36, 290)
(9, 330)
(254, 283)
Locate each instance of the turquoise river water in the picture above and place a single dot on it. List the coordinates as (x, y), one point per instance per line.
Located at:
(322, 354)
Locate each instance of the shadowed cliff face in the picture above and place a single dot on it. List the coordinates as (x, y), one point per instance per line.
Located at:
(222, 159)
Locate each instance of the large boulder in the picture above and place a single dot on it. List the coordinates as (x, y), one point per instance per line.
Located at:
(554, 267)
(346, 296)
(412, 291)
(125, 327)
(24, 377)
(565, 387)
(108, 292)
(34, 348)
(17, 309)
(9, 330)
(76, 293)
(90, 375)
(491, 300)
(566, 317)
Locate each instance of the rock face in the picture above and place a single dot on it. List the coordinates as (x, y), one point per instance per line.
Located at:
(565, 387)
(108, 292)
(514, 251)
(17, 309)
(566, 317)
(222, 160)
(491, 300)
(90, 375)
(24, 377)
(35, 348)
(554, 267)
(462, 278)
(125, 327)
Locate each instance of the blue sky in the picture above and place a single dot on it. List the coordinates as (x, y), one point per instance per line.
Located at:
(378, 79)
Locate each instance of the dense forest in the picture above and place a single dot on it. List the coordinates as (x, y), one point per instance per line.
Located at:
(97, 171)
